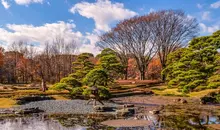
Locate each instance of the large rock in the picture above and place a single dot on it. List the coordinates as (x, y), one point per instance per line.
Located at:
(101, 108)
(177, 100)
(154, 112)
(28, 111)
(183, 101)
(125, 112)
(212, 98)
(125, 106)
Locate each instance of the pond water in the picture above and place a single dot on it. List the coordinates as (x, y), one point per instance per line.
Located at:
(79, 122)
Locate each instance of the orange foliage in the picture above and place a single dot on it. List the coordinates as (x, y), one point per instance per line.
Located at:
(132, 69)
(154, 69)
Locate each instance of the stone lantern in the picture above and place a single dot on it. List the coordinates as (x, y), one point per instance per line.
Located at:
(94, 96)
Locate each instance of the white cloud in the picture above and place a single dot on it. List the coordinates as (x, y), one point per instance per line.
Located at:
(215, 5)
(151, 10)
(5, 4)
(199, 6)
(39, 34)
(104, 12)
(93, 38)
(206, 15)
(27, 2)
(47, 33)
(190, 16)
(209, 29)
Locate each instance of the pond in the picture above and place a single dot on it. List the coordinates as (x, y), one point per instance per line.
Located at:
(80, 122)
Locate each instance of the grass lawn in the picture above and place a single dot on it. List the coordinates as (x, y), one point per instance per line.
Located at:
(174, 92)
(7, 102)
(202, 93)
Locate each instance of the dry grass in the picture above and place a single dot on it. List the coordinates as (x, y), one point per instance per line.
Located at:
(174, 92)
(7, 102)
(202, 93)
(137, 82)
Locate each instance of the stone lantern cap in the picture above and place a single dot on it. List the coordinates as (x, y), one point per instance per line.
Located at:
(93, 88)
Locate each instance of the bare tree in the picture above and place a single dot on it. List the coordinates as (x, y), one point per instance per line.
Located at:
(62, 52)
(135, 37)
(144, 36)
(55, 61)
(116, 42)
(172, 30)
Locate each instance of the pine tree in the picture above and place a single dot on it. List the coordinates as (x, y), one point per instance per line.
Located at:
(194, 66)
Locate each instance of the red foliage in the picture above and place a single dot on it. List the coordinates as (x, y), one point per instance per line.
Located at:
(154, 69)
(132, 69)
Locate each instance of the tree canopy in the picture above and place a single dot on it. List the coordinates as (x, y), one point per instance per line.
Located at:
(195, 66)
(96, 77)
(82, 65)
(109, 62)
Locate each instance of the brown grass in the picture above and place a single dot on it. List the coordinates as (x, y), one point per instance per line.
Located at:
(7, 102)
(137, 82)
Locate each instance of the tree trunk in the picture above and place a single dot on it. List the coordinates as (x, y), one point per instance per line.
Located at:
(126, 73)
(142, 75)
(43, 85)
(163, 76)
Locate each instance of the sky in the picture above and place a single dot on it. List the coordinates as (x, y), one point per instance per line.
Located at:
(82, 21)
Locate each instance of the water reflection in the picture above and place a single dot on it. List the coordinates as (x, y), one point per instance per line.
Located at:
(73, 122)
(181, 121)
(34, 123)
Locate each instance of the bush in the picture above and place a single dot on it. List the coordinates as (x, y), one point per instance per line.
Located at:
(200, 88)
(214, 85)
(96, 77)
(60, 86)
(71, 81)
(86, 92)
(214, 81)
(103, 92)
(213, 97)
(77, 91)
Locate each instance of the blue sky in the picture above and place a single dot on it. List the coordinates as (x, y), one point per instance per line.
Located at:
(41, 21)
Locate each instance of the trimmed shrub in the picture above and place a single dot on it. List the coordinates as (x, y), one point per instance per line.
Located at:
(86, 92)
(214, 81)
(96, 77)
(71, 81)
(60, 86)
(103, 92)
(77, 91)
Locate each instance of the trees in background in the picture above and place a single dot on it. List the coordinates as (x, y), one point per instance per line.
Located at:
(136, 46)
(143, 37)
(196, 66)
(1, 63)
(23, 64)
